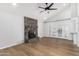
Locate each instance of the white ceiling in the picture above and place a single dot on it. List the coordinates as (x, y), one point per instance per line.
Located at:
(31, 9)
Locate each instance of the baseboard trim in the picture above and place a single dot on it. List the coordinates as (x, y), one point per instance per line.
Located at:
(12, 44)
(56, 37)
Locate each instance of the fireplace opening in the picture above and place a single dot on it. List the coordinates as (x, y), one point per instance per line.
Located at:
(31, 34)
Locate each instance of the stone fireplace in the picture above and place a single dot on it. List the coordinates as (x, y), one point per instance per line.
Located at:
(30, 29)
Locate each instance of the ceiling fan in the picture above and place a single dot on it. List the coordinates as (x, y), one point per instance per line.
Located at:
(48, 7)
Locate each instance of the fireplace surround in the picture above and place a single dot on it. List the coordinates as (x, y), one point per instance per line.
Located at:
(30, 29)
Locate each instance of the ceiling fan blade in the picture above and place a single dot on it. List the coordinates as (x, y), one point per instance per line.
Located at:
(53, 9)
(42, 7)
(51, 4)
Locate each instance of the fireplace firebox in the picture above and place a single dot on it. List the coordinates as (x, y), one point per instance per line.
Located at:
(31, 34)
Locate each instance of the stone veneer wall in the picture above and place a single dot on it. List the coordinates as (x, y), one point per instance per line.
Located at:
(30, 24)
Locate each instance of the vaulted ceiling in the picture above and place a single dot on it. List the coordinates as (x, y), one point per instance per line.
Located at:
(31, 9)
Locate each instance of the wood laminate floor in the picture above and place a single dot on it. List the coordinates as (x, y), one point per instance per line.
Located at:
(43, 47)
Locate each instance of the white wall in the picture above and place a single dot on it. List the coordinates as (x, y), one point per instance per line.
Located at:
(74, 10)
(40, 28)
(11, 29)
(78, 23)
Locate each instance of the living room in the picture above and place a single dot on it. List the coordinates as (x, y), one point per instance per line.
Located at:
(25, 28)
